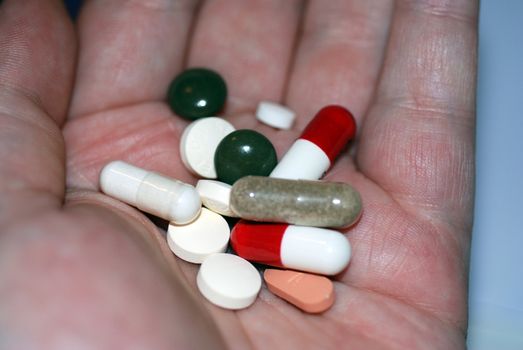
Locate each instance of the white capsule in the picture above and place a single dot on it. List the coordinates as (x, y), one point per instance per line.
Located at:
(275, 115)
(150, 192)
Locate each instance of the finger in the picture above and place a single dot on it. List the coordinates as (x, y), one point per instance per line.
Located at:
(129, 51)
(36, 71)
(99, 258)
(37, 53)
(339, 56)
(250, 43)
(417, 141)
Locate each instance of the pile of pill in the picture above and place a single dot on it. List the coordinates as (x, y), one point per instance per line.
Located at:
(285, 214)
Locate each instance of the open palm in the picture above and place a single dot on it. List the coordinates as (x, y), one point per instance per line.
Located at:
(81, 270)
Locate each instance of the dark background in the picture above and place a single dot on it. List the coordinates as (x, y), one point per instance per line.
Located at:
(73, 6)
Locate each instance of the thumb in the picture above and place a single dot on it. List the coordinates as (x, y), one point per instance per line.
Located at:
(37, 48)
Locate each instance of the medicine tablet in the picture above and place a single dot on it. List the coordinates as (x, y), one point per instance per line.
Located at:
(275, 115)
(206, 235)
(244, 152)
(310, 293)
(228, 281)
(215, 196)
(199, 142)
(197, 93)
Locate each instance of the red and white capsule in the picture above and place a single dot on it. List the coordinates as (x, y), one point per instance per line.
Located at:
(314, 152)
(304, 248)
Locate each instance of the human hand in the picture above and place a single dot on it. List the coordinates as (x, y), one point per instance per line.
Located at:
(81, 270)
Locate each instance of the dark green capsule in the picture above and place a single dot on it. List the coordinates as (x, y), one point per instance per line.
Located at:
(197, 93)
(298, 202)
(244, 152)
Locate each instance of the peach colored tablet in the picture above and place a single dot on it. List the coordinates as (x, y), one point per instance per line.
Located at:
(310, 293)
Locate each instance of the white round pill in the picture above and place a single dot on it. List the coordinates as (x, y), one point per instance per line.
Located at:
(275, 115)
(228, 281)
(215, 196)
(199, 142)
(206, 235)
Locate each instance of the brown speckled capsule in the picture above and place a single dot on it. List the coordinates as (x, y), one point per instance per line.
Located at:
(298, 202)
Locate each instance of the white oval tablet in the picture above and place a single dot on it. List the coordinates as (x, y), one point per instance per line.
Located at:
(199, 142)
(215, 196)
(206, 235)
(228, 281)
(275, 115)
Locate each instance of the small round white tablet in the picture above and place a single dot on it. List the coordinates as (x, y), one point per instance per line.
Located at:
(199, 142)
(275, 115)
(215, 195)
(228, 281)
(206, 235)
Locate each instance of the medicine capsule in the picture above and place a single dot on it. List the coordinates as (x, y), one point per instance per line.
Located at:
(299, 202)
(313, 153)
(311, 249)
(153, 193)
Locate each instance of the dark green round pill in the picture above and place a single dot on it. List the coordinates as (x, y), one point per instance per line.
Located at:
(244, 152)
(197, 93)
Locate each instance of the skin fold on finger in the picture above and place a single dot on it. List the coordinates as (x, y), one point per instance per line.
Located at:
(338, 57)
(423, 116)
(32, 153)
(37, 50)
(417, 146)
(95, 278)
(37, 53)
(250, 43)
(129, 51)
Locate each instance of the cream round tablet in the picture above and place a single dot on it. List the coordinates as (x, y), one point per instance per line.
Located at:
(199, 142)
(215, 196)
(206, 235)
(228, 281)
(275, 115)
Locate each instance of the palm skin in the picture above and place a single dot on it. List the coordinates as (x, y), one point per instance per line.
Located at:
(81, 270)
